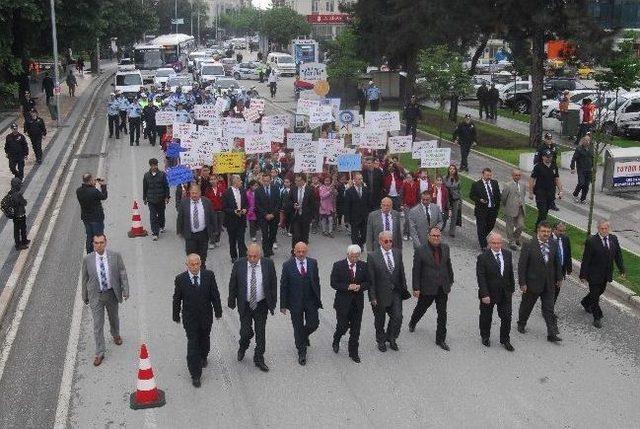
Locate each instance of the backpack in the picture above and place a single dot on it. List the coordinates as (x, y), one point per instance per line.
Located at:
(7, 207)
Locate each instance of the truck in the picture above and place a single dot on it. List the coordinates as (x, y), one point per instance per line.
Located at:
(305, 51)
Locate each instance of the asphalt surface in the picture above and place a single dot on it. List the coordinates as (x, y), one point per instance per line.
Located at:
(589, 380)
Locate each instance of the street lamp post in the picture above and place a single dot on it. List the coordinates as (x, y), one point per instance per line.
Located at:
(54, 35)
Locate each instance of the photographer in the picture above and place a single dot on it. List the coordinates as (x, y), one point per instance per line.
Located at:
(91, 213)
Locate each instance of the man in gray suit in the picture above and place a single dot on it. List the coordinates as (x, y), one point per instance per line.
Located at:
(423, 217)
(384, 219)
(513, 206)
(387, 289)
(195, 219)
(104, 286)
(539, 274)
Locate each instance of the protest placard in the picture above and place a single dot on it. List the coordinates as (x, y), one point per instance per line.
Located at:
(436, 158)
(277, 120)
(383, 121)
(273, 132)
(369, 139)
(304, 104)
(165, 117)
(349, 162)
(334, 103)
(320, 114)
(251, 114)
(257, 103)
(178, 175)
(209, 133)
(313, 72)
(228, 162)
(329, 147)
(400, 144)
(221, 105)
(310, 162)
(183, 129)
(256, 143)
(235, 127)
(296, 139)
(418, 147)
(190, 140)
(333, 158)
(205, 112)
(206, 150)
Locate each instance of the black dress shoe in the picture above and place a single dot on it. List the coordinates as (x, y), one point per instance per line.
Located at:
(486, 342)
(508, 346)
(382, 347)
(302, 359)
(240, 354)
(521, 329)
(554, 339)
(597, 323)
(205, 362)
(393, 345)
(443, 345)
(336, 347)
(262, 366)
(355, 358)
(412, 328)
(195, 382)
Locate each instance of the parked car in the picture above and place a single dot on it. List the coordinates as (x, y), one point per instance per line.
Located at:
(162, 75)
(183, 81)
(209, 72)
(248, 70)
(126, 64)
(622, 116)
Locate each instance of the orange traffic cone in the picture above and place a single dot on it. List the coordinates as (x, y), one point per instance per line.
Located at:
(147, 395)
(136, 223)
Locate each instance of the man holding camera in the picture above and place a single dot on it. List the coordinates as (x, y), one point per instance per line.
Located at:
(91, 213)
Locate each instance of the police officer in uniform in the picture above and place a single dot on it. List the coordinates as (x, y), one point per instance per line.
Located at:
(134, 112)
(113, 112)
(123, 106)
(548, 145)
(35, 129)
(149, 116)
(465, 136)
(17, 149)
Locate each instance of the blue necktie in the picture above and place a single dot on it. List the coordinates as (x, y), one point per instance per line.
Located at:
(195, 281)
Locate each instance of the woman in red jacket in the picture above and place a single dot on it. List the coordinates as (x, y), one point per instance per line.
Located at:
(392, 185)
(214, 194)
(440, 196)
(409, 199)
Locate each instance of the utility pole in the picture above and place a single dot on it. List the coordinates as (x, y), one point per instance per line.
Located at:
(191, 17)
(176, 14)
(198, 12)
(54, 34)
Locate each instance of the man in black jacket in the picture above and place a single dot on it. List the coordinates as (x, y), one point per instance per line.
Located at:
(494, 97)
(412, 114)
(494, 271)
(235, 205)
(356, 203)
(91, 213)
(374, 180)
(582, 164)
(254, 286)
(149, 117)
(196, 295)
(465, 136)
(47, 86)
(35, 129)
(302, 209)
(19, 204)
(349, 278)
(601, 251)
(155, 194)
(195, 219)
(482, 94)
(17, 150)
(485, 194)
(267, 198)
(564, 251)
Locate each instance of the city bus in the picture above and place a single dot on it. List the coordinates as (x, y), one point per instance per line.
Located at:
(148, 58)
(175, 48)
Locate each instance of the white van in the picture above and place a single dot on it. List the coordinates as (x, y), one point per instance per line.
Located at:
(209, 72)
(128, 83)
(282, 63)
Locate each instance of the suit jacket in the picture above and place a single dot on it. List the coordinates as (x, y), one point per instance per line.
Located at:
(118, 279)
(308, 204)
(197, 303)
(229, 206)
(426, 275)
(490, 282)
(356, 207)
(184, 217)
(375, 226)
(382, 283)
(564, 257)
(238, 286)
(340, 281)
(479, 192)
(267, 204)
(512, 200)
(374, 180)
(597, 262)
(291, 291)
(534, 272)
(418, 225)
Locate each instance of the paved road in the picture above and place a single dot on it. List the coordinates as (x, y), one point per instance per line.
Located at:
(588, 381)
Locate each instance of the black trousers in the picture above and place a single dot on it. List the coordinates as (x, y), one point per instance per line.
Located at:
(114, 124)
(394, 311)
(20, 230)
(199, 244)
(359, 232)
(504, 312)
(156, 215)
(592, 300)
(304, 323)
(16, 165)
(465, 148)
(374, 105)
(198, 346)
(529, 301)
(36, 144)
(482, 106)
(152, 134)
(411, 129)
(237, 248)
(299, 230)
(584, 180)
(134, 131)
(424, 302)
(272, 89)
(485, 222)
(123, 121)
(269, 230)
(543, 202)
(493, 110)
(251, 320)
(350, 320)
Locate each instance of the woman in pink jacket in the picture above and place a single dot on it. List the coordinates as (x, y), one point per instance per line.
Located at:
(327, 206)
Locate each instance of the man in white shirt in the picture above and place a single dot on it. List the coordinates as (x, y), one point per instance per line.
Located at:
(384, 219)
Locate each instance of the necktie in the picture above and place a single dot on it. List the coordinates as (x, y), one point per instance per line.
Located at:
(104, 284)
(544, 247)
(359, 192)
(253, 288)
(352, 269)
(499, 262)
(195, 281)
(303, 271)
(560, 251)
(606, 243)
(196, 221)
(489, 194)
(426, 212)
(389, 262)
(518, 187)
(387, 225)
(268, 191)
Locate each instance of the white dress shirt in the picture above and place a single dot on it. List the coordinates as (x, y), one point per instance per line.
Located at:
(106, 269)
(201, 222)
(237, 197)
(353, 270)
(259, 287)
(191, 276)
(384, 219)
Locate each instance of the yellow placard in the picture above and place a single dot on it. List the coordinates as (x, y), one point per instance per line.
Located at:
(228, 162)
(321, 87)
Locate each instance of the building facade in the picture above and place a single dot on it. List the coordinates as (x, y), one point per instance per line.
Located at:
(324, 15)
(616, 13)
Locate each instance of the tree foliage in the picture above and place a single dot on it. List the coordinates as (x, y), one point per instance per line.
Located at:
(440, 72)
(281, 24)
(344, 60)
(244, 21)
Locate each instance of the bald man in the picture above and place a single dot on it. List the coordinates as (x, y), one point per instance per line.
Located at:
(196, 295)
(384, 219)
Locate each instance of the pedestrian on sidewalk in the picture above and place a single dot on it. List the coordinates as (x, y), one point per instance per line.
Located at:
(47, 86)
(91, 212)
(582, 164)
(543, 183)
(123, 106)
(273, 83)
(548, 144)
(465, 136)
(452, 182)
(104, 286)
(374, 95)
(482, 94)
(195, 220)
(134, 112)
(35, 129)
(514, 207)
(587, 118)
(412, 114)
(28, 104)
(485, 194)
(72, 82)
(196, 296)
(113, 113)
(493, 99)
(14, 207)
(17, 150)
(155, 194)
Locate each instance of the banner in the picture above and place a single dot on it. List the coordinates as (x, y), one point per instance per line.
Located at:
(251, 114)
(178, 175)
(256, 143)
(330, 147)
(366, 138)
(190, 140)
(273, 132)
(626, 173)
(258, 104)
(206, 150)
(313, 72)
(418, 147)
(205, 112)
(436, 158)
(383, 121)
(183, 129)
(400, 144)
(191, 158)
(228, 162)
(333, 158)
(304, 104)
(320, 114)
(296, 139)
(349, 162)
(277, 120)
(310, 162)
(165, 117)
(221, 105)
(209, 133)
(235, 127)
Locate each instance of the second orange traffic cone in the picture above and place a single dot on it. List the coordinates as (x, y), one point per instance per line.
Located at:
(147, 395)
(137, 230)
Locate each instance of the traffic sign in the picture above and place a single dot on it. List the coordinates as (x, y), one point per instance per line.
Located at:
(175, 21)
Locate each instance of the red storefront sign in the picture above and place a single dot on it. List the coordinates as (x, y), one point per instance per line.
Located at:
(331, 18)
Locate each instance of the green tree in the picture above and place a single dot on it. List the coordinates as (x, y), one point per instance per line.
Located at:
(282, 24)
(344, 58)
(244, 21)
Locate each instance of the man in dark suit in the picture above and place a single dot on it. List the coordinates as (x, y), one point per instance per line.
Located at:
(387, 290)
(601, 251)
(357, 199)
(564, 251)
(234, 205)
(539, 274)
(302, 207)
(195, 219)
(374, 180)
(384, 219)
(268, 206)
(432, 279)
(253, 284)
(350, 278)
(494, 271)
(485, 194)
(196, 294)
(300, 294)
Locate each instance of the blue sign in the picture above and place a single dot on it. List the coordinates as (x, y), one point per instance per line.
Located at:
(174, 149)
(178, 175)
(349, 162)
(346, 116)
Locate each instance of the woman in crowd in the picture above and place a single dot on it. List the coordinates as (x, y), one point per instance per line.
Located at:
(409, 200)
(214, 192)
(251, 209)
(327, 193)
(440, 197)
(452, 182)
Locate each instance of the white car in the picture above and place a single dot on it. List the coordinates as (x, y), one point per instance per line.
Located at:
(163, 75)
(510, 89)
(126, 64)
(551, 108)
(192, 58)
(209, 72)
(184, 81)
(129, 82)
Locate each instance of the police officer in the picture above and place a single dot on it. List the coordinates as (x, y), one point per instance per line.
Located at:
(113, 112)
(149, 116)
(134, 112)
(35, 129)
(123, 106)
(465, 136)
(548, 145)
(373, 96)
(17, 149)
(412, 114)
(143, 102)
